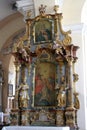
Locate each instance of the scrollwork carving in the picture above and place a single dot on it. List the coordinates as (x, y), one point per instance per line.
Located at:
(67, 40)
(76, 101)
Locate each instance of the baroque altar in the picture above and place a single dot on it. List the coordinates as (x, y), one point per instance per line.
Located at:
(45, 60)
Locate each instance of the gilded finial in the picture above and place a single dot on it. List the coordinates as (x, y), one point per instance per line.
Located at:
(42, 9)
(56, 8)
(28, 14)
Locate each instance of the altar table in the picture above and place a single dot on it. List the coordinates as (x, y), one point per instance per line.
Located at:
(34, 128)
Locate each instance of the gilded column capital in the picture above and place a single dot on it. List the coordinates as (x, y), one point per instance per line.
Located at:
(69, 60)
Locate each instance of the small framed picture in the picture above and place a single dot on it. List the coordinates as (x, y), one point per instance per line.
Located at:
(43, 31)
(10, 90)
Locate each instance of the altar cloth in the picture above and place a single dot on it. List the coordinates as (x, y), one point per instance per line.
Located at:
(34, 128)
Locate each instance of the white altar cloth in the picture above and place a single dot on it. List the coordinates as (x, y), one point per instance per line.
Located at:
(34, 128)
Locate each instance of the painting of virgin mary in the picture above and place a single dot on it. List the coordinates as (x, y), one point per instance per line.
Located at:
(43, 31)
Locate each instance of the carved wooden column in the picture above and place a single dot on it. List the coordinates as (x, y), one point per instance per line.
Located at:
(75, 79)
(61, 96)
(14, 115)
(70, 91)
(70, 110)
(56, 20)
(23, 99)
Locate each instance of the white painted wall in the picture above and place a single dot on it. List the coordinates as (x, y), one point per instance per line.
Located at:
(12, 74)
(72, 11)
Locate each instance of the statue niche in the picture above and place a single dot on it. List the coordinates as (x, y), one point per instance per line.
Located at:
(45, 77)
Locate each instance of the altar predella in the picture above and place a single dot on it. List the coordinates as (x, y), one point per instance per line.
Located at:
(45, 60)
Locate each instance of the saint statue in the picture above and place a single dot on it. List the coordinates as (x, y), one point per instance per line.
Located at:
(23, 94)
(61, 97)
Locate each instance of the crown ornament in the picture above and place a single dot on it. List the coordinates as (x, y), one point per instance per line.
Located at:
(42, 9)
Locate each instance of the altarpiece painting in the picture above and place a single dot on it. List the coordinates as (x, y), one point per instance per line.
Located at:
(45, 85)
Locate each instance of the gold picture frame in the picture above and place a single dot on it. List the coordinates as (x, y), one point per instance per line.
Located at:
(43, 31)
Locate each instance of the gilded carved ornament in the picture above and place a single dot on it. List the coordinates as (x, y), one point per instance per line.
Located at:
(49, 46)
(75, 59)
(56, 8)
(75, 77)
(22, 51)
(38, 49)
(57, 25)
(69, 60)
(28, 14)
(60, 118)
(45, 53)
(67, 39)
(76, 102)
(70, 118)
(42, 9)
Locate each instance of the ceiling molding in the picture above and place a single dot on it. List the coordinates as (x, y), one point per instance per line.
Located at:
(25, 6)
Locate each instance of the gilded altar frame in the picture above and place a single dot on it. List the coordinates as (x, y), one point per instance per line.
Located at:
(50, 60)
